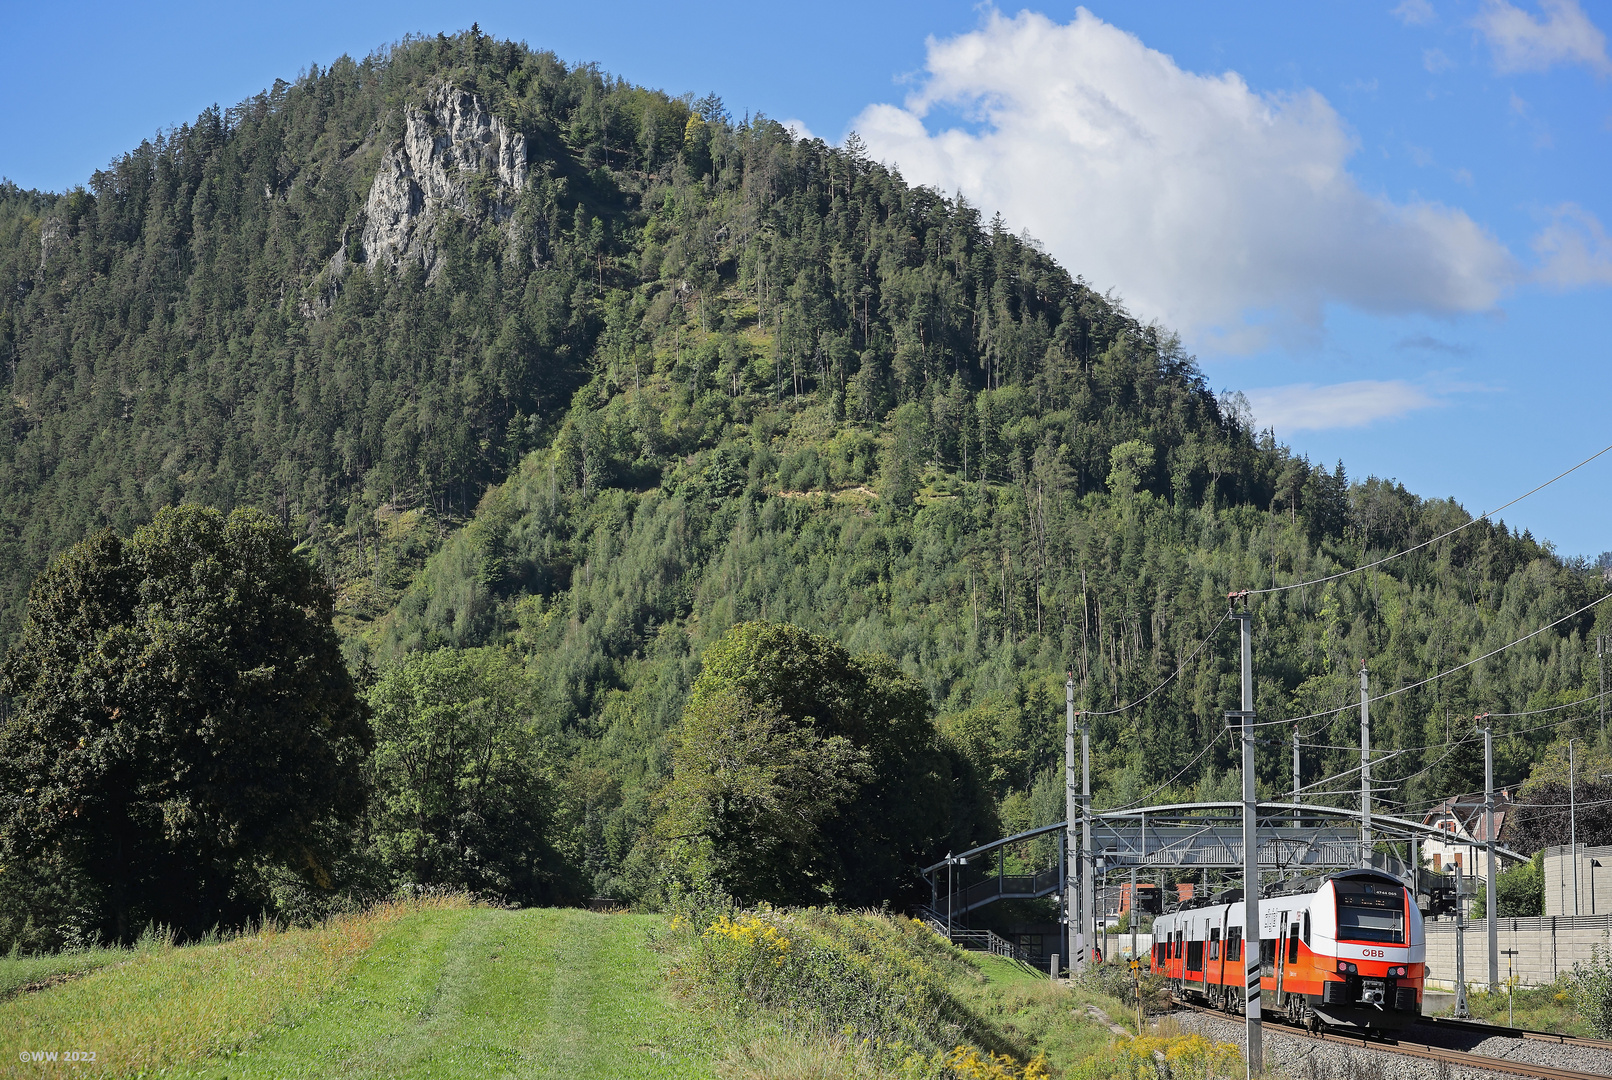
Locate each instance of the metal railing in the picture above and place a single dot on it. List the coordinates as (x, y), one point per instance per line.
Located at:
(987, 941)
(1006, 887)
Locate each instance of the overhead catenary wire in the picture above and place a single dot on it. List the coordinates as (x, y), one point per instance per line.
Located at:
(1434, 678)
(1354, 748)
(1410, 806)
(1591, 700)
(1388, 754)
(1168, 679)
(1426, 543)
(1143, 801)
(1174, 674)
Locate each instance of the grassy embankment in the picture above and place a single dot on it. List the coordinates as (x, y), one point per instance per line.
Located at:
(827, 995)
(1540, 1008)
(444, 988)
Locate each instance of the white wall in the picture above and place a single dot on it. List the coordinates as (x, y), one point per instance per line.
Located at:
(1594, 881)
(1544, 948)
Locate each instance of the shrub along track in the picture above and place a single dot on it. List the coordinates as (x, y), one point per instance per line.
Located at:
(1426, 1052)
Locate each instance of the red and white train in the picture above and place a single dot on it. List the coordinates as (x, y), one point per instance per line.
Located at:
(1350, 952)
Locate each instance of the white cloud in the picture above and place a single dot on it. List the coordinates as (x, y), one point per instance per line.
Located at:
(1224, 212)
(1435, 61)
(1415, 12)
(797, 129)
(1574, 249)
(1308, 407)
(1521, 42)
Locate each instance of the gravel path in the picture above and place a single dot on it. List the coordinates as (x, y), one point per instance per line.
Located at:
(1313, 1059)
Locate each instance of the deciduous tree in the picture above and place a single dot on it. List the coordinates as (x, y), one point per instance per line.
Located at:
(180, 714)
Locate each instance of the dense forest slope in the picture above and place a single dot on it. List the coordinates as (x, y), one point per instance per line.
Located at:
(531, 356)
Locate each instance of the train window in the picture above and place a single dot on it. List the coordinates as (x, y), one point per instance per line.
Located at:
(1293, 944)
(1306, 928)
(1214, 943)
(1234, 943)
(1370, 911)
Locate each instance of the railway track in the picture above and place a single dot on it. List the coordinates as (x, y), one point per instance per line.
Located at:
(1425, 1052)
(1503, 1031)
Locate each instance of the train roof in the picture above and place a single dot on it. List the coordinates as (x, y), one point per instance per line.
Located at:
(1372, 875)
(1299, 887)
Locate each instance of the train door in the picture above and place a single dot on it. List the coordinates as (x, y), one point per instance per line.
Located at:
(1280, 955)
(1195, 953)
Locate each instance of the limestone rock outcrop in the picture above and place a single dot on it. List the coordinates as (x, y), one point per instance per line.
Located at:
(447, 144)
(52, 236)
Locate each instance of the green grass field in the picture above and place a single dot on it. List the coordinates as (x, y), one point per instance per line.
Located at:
(442, 991)
(442, 988)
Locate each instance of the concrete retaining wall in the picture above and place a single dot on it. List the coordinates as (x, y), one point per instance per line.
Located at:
(1594, 881)
(1544, 948)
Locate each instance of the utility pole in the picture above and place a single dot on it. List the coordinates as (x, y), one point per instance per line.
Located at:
(1256, 1049)
(1071, 900)
(1088, 865)
(1296, 784)
(951, 890)
(1365, 769)
(1488, 830)
(1600, 665)
(1063, 893)
(1135, 912)
(1572, 820)
(1460, 948)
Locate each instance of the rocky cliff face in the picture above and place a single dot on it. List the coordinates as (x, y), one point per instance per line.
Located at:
(447, 144)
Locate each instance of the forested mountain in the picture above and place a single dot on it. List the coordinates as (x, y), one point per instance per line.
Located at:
(535, 358)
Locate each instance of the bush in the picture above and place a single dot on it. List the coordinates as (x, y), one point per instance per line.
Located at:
(1119, 982)
(1592, 990)
(871, 978)
(1519, 892)
(1167, 1055)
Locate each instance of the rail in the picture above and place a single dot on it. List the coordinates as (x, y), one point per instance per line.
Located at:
(1508, 1032)
(1483, 1062)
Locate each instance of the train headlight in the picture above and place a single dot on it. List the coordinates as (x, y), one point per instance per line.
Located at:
(1398, 971)
(1346, 968)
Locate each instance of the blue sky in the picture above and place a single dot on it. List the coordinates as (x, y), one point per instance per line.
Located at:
(1384, 222)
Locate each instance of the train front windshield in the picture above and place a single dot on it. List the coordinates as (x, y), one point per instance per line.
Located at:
(1370, 911)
